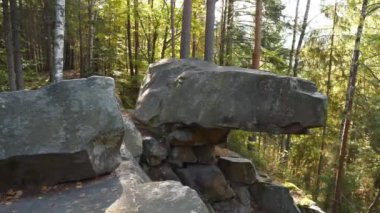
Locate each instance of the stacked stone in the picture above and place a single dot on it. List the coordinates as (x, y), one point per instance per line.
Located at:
(225, 183)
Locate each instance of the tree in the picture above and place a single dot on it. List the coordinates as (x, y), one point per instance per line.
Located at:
(302, 35)
(295, 27)
(257, 44)
(129, 39)
(186, 29)
(346, 121)
(59, 39)
(209, 38)
(16, 44)
(9, 46)
(172, 28)
(328, 90)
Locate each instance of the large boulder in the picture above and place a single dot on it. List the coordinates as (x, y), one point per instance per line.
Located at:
(67, 131)
(197, 92)
(239, 170)
(165, 196)
(273, 198)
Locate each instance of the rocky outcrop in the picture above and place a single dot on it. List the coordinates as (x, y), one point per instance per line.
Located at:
(67, 131)
(196, 92)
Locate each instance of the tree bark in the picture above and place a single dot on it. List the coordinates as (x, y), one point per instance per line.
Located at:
(164, 43)
(222, 32)
(229, 22)
(257, 47)
(129, 40)
(9, 46)
(92, 18)
(328, 89)
(302, 35)
(345, 125)
(376, 202)
(15, 21)
(172, 29)
(59, 39)
(136, 37)
(295, 26)
(82, 66)
(186, 29)
(209, 37)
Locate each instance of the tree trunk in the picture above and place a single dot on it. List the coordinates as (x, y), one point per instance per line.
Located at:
(186, 29)
(136, 36)
(92, 18)
(194, 46)
(222, 32)
(345, 125)
(229, 21)
(9, 46)
(15, 21)
(129, 40)
(209, 37)
(374, 207)
(59, 38)
(165, 42)
(82, 66)
(328, 88)
(295, 26)
(257, 48)
(172, 29)
(302, 35)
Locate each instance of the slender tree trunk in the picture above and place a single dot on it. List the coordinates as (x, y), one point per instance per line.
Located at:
(136, 37)
(172, 29)
(9, 46)
(92, 15)
(165, 42)
(59, 39)
(302, 35)
(194, 46)
(222, 44)
(229, 22)
(257, 47)
(129, 40)
(345, 125)
(376, 202)
(82, 66)
(186, 29)
(328, 88)
(209, 38)
(295, 27)
(15, 21)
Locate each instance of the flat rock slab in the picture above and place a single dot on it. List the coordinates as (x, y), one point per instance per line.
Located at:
(197, 92)
(67, 131)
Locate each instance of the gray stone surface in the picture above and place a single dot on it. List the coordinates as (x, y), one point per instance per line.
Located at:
(154, 151)
(67, 131)
(196, 92)
(165, 196)
(239, 170)
(93, 195)
(208, 180)
(272, 198)
(132, 138)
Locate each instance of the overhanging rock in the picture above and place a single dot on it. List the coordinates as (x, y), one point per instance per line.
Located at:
(67, 131)
(197, 92)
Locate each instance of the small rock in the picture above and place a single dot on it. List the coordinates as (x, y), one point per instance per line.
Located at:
(208, 180)
(154, 152)
(231, 206)
(162, 172)
(240, 170)
(182, 154)
(205, 154)
(197, 136)
(132, 138)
